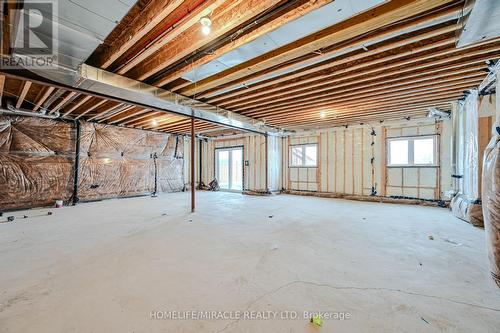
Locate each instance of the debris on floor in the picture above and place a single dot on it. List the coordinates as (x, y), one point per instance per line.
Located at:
(451, 241)
(316, 320)
(431, 237)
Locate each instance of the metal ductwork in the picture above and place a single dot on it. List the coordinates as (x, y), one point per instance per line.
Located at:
(107, 85)
(78, 32)
(480, 22)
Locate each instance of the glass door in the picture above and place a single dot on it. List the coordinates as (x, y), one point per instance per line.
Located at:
(229, 168)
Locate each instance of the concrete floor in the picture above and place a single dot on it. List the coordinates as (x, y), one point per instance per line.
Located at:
(106, 266)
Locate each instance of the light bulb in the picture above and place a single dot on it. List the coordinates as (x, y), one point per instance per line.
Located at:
(205, 30)
(322, 114)
(155, 122)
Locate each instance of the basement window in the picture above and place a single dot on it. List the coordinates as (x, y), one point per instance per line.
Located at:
(412, 151)
(304, 155)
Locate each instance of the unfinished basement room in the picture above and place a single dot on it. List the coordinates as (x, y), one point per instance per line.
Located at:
(268, 166)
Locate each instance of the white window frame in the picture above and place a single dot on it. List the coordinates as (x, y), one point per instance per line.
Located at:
(411, 151)
(303, 146)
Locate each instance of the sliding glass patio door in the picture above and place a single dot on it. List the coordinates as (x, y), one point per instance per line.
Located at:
(229, 168)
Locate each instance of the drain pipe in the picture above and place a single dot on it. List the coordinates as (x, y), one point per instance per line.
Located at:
(11, 110)
(454, 146)
(77, 164)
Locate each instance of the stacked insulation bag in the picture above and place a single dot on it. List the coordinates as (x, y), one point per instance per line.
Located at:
(491, 203)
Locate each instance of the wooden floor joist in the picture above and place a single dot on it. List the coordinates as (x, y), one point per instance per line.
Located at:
(377, 17)
(223, 21)
(242, 39)
(22, 94)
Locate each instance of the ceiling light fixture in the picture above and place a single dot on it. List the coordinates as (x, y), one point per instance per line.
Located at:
(206, 23)
(154, 122)
(322, 114)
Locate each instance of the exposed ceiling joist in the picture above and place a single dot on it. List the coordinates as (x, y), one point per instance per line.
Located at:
(149, 17)
(22, 94)
(2, 84)
(45, 94)
(244, 38)
(377, 17)
(224, 19)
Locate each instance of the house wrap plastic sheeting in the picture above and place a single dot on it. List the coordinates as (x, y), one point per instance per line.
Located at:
(36, 161)
(491, 203)
(465, 204)
(120, 162)
(468, 211)
(471, 170)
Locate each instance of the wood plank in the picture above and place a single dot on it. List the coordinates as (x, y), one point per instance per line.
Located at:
(129, 113)
(394, 45)
(365, 22)
(192, 19)
(141, 24)
(2, 84)
(348, 89)
(77, 105)
(243, 39)
(43, 98)
(22, 94)
(93, 107)
(224, 20)
(63, 102)
(110, 107)
(355, 96)
(367, 71)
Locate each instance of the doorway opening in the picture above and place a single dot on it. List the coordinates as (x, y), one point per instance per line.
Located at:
(229, 168)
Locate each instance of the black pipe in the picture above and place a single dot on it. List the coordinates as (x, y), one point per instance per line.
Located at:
(200, 164)
(155, 193)
(77, 163)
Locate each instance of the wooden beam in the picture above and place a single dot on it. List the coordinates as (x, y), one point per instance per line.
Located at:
(22, 94)
(77, 105)
(93, 107)
(395, 103)
(353, 104)
(355, 109)
(2, 84)
(358, 93)
(363, 112)
(224, 19)
(363, 71)
(140, 25)
(360, 54)
(373, 82)
(245, 38)
(367, 113)
(43, 98)
(449, 12)
(63, 102)
(102, 113)
(127, 114)
(192, 19)
(117, 112)
(148, 116)
(348, 88)
(365, 22)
